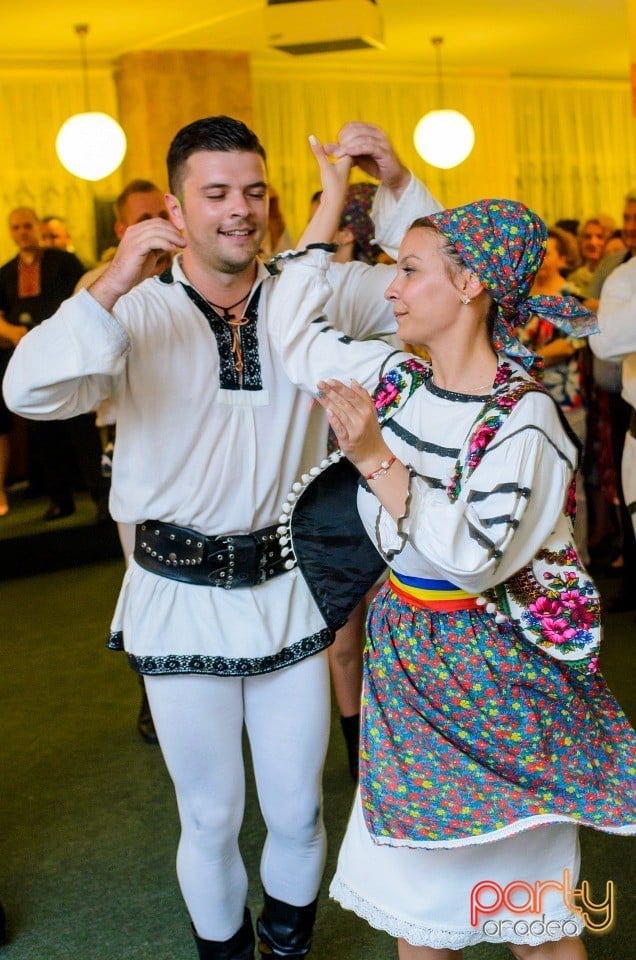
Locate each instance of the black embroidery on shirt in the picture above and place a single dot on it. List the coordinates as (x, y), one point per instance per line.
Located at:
(230, 378)
(434, 482)
(510, 487)
(497, 521)
(452, 395)
(275, 264)
(387, 362)
(479, 536)
(198, 663)
(531, 426)
(166, 276)
(344, 338)
(421, 445)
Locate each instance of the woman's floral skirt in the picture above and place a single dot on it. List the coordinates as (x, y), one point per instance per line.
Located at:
(470, 734)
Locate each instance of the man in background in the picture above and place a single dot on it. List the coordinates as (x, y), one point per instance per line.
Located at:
(32, 286)
(139, 200)
(612, 260)
(54, 232)
(616, 342)
(610, 374)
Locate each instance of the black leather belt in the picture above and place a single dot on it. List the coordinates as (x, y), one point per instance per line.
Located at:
(228, 560)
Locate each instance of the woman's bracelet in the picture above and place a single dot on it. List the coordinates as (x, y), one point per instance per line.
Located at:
(383, 469)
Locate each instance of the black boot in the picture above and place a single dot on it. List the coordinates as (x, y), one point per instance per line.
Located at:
(284, 930)
(351, 732)
(239, 947)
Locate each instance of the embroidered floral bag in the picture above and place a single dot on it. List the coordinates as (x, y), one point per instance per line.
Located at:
(552, 602)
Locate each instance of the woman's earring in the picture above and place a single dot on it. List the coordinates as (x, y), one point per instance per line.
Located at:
(466, 300)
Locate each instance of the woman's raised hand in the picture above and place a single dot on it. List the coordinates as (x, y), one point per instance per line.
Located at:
(334, 175)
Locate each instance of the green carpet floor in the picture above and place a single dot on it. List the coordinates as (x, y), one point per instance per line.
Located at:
(88, 823)
(30, 545)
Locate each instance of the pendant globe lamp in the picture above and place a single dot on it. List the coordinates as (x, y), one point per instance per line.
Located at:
(90, 145)
(444, 138)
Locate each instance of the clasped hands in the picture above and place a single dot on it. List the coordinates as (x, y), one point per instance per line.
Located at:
(353, 419)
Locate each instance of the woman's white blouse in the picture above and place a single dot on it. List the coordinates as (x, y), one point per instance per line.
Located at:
(510, 504)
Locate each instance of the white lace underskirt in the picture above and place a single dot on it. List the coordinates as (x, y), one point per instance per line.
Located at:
(424, 896)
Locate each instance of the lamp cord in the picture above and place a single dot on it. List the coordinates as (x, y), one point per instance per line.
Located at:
(81, 30)
(437, 43)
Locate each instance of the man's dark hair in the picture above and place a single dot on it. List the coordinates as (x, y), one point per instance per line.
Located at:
(220, 133)
(135, 186)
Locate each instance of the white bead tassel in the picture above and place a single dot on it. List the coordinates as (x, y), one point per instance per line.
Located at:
(283, 532)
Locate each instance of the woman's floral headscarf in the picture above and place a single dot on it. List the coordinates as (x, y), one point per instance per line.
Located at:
(356, 215)
(503, 243)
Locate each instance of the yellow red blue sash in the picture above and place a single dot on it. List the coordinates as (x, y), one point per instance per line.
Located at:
(439, 595)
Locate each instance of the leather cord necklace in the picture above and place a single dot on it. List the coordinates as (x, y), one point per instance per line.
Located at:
(226, 310)
(235, 325)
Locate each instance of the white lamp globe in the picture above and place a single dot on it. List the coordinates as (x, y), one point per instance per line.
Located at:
(444, 138)
(91, 145)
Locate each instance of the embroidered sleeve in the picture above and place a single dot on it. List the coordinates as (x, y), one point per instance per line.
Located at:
(390, 536)
(506, 510)
(312, 346)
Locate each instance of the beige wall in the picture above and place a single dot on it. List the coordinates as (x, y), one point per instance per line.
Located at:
(159, 93)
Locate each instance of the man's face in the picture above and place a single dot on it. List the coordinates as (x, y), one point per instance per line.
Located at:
(629, 225)
(24, 228)
(224, 208)
(144, 206)
(53, 233)
(592, 242)
(141, 206)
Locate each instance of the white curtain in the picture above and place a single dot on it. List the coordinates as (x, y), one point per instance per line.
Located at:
(291, 104)
(574, 147)
(34, 103)
(565, 148)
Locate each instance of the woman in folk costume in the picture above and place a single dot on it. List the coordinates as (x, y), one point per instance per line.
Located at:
(488, 734)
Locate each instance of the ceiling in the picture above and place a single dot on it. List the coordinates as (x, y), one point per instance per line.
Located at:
(555, 38)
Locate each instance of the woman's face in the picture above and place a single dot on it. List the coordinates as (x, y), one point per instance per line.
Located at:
(553, 262)
(426, 301)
